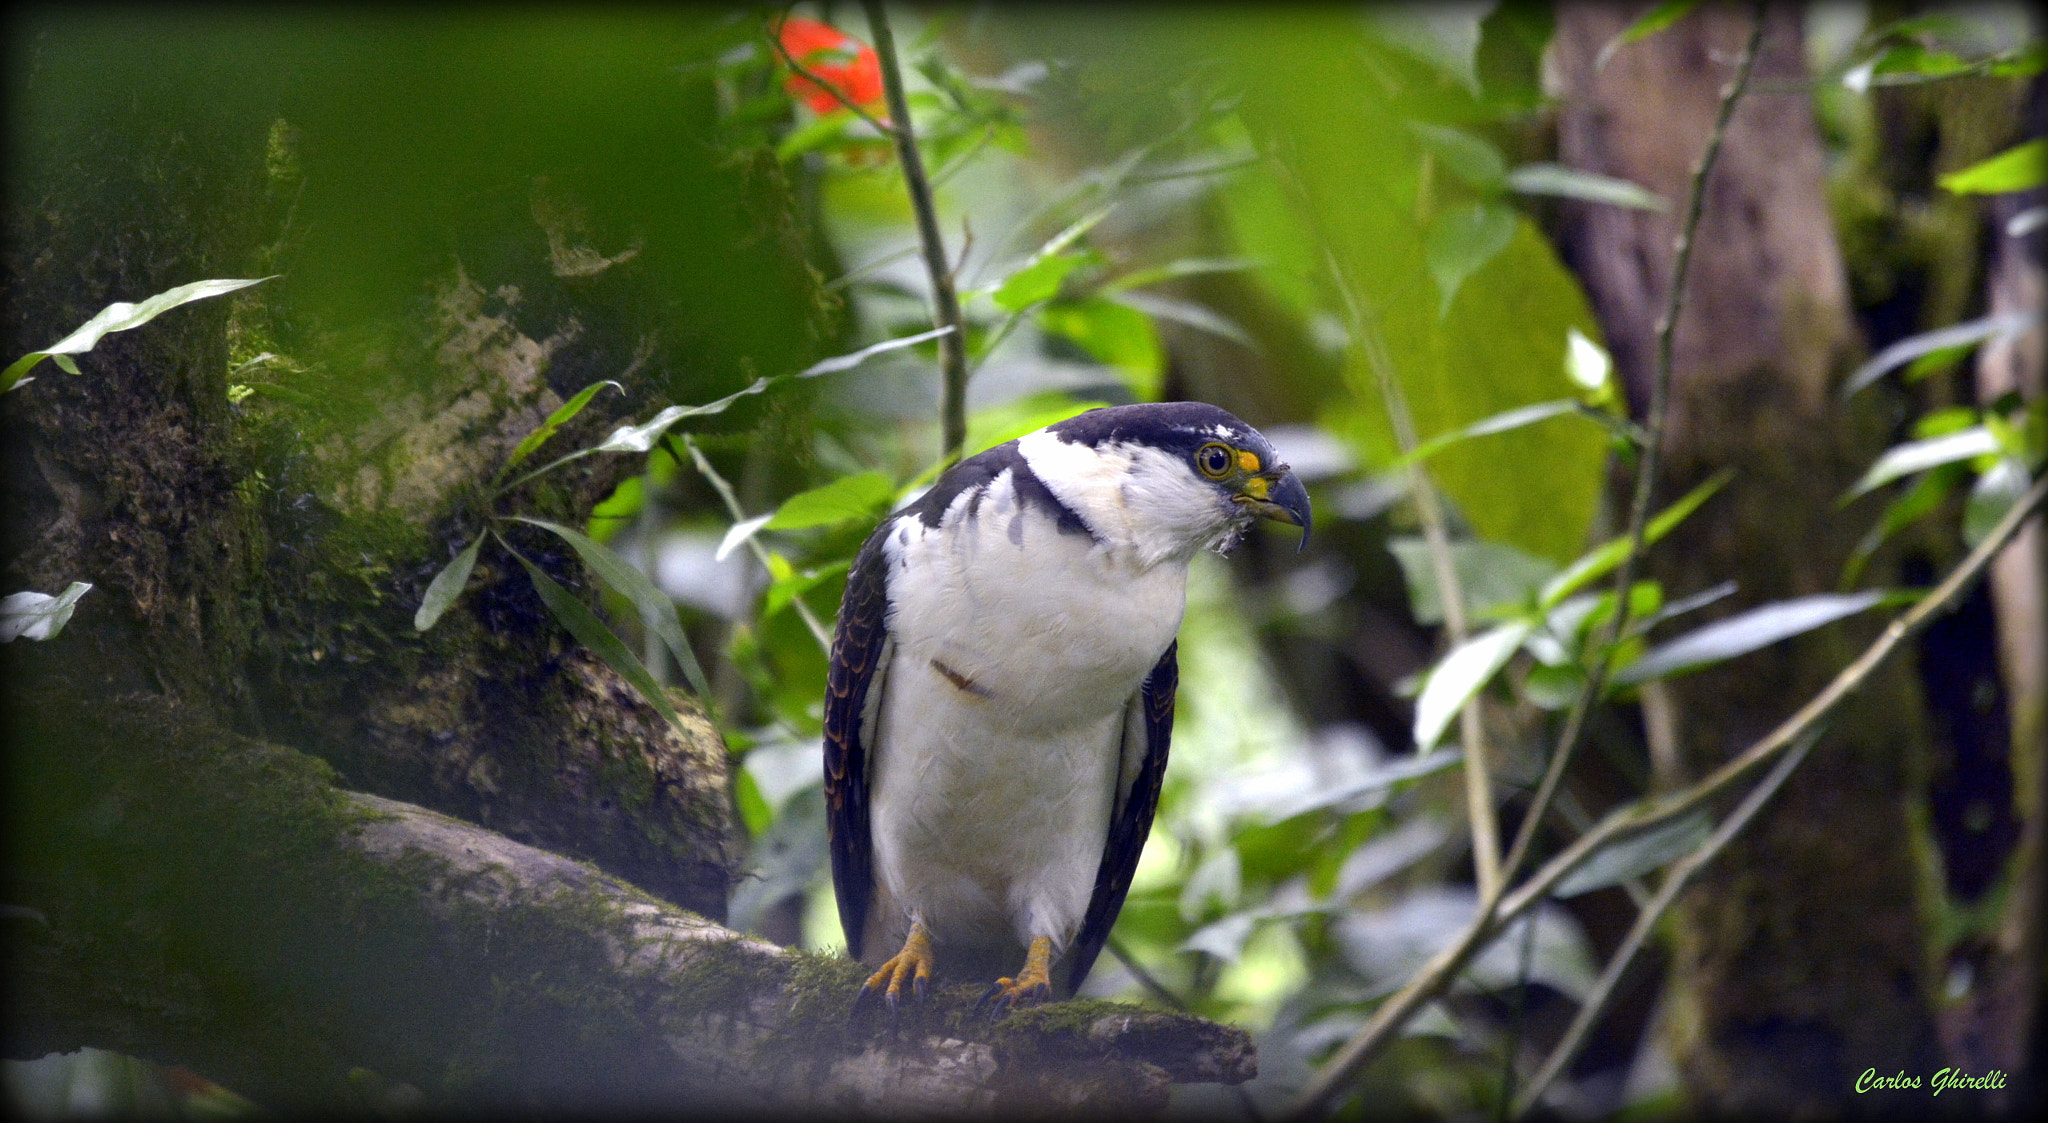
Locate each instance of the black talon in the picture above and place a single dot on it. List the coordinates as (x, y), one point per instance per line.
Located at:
(920, 989)
(993, 990)
(862, 999)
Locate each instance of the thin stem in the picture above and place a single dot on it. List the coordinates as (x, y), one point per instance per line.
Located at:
(1437, 974)
(1652, 451)
(1682, 872)
(760, 552)
(789, 60)
(1486, 868)
(945, 300)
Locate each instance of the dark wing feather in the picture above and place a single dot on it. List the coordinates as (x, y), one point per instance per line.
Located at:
(1133, 820)
(858, 648)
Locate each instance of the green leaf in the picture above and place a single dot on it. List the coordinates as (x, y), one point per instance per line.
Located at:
(657, 609)
(1460, 675)
(119, 316)
(38, 616)
(1609, 555)
(848, 497)
(1116, 335)
(562, 416)
(823, 132)
(754, 810)
(641, 437)
(591, 633)
(1468, 157)
(1036, 282)
(1743, 633)
(1650, 23)
(848, 362)
(1492, 575)
(788, 586)
(2019, 168)
(1636, 854)
(1589, 366)
(737, 535)
(1918, 456)
(446, 586)
(1485, 426)
(1995, 492)
(1571, 183)
(1174, 270)
(1917, 502)
(1462, 240)
(1201, 317)
(1968, 333)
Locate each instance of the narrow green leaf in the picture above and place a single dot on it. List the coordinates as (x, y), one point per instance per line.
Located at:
(1174, 270)
(2019, 168)
(641, 437)
(38, 616)
(1201, 317)
(1743, 633)
(446, 586)
(847, 362)
(1571, 183)
(657, 609)
(1994, 493)
(1651, 22)
(1918, 456)
(118, 316)
(1036, 282)
(1606, 557)
(1492, 575)
(1912, 347)
(1460, 675)
(848, 497)
(2026, 222)
(738, 535)
(562, 416)
(1499, 423)
(591, 633)
(1634, 855)
(1917, 502)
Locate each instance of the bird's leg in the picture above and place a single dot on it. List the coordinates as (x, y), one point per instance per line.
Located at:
(912, 965)
(1032, 984)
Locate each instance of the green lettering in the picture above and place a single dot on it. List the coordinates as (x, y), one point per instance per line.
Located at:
(1863, 1081)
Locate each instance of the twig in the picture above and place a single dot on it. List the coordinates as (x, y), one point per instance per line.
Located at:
(1682, 872)
(946, 301)
(739, 514)
(1444, 966)
(1486, 869)
(789, 60)
(1652, 452)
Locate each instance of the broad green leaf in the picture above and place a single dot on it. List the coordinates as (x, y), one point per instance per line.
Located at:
(1036, 282)
(1968, 333)
(38, 616)
(2019, 168)
(591, 633)
(754, 810)
(847, 362)
(1605, 558)
(1117, 335)
(1637, 854)
(1462, 240)
(1743, 633)
(1492, 575)
(640, 438)
(848, 497)
(1650, 23)
(791, 585)
(823, 132)
(1485, 426)
(119, 316)
(738, 535)
(562, 416)
(1917, 502)
(2002, 485)
(1918, 456)
(1460, 675)
(446, 586)
(657, 609)
(1468, 157)
(1571, 183)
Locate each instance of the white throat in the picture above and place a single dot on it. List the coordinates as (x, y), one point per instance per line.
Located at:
(1145, 505)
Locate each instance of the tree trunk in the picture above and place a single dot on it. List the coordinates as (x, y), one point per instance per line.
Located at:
(1799, 959)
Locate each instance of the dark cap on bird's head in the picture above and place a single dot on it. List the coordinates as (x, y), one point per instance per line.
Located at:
(1221, 449)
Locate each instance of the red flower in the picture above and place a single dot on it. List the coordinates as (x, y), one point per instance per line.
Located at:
(847, 63)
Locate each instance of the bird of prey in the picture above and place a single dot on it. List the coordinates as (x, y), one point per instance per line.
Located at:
(1001, 690)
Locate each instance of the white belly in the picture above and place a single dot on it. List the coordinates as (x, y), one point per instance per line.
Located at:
(996, 750)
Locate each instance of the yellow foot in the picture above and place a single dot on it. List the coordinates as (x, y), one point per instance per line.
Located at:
(912, 965)
(1032, 985)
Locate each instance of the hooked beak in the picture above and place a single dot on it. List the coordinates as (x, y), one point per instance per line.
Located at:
(1280, 497)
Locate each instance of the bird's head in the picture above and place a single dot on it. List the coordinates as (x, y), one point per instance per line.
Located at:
(1170, 469)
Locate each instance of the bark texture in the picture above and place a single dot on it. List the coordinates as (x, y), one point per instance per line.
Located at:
(1798, 959)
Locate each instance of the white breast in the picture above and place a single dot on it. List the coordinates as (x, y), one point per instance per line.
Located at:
(1016, 650)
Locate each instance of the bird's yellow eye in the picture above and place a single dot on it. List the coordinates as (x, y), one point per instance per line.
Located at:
(1214, 460)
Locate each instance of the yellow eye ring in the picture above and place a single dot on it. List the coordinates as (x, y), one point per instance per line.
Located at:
(1214, 460)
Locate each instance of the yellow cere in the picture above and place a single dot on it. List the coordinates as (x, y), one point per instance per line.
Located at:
(1257, 486)
(1249, 461)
